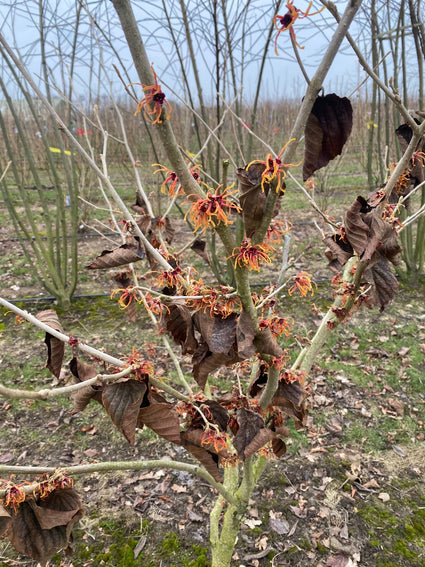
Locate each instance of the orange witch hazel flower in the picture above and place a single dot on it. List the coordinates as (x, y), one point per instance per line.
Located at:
(274, 168)
(142, 366)
(127, 295)
(14, 496)
(286, 22)
(250, 256)
(214, 209)
(302, 284)
(154, 102)
(174, 187)
(277, 229)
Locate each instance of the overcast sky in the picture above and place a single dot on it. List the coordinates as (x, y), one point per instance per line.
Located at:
(282, 75)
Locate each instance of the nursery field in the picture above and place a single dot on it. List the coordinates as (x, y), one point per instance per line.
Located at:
(350, 490)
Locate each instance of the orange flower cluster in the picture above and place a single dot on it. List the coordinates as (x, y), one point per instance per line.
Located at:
(174, 187)
(214, 209)
(171, 278)
(154, 102)
(48, 483)
(128, 295)
(154, 305)
(418, 157)
(276, 230)
(284, 23)
(274, 169)
(214, 300)
(14, 496)
(143, 366)
(217, 440)
(250, 256)
(302, 284)
(279, 361)
(277, 325)
(294, 376)
(402, 182)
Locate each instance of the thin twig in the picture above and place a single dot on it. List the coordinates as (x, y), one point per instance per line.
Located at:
(110, 466)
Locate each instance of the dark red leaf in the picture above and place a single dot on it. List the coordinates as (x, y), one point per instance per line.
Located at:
(161, 417)
(252, 433)
(279, 447)
(326, 132)
(217, 332)
(5, 520)
(253, 196)
(192, 441)
(245, 335)
(383, 281)
(290, 398)
(356, 230)
(122, 402)
(178, 323)
(199, 246)
(82, 397)
(42, 528)
(204, 362)
(124, 254)
(55, 347)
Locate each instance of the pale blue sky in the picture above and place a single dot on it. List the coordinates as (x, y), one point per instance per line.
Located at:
(282, 77)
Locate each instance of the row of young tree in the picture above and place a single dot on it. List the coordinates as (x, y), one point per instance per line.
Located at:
(78, 67)
(217, 324)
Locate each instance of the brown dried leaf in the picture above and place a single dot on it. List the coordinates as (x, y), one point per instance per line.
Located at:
(122, 402)
(199, 246)
(57, 509)
(253, 196)
(279, 447)
(383, 283)
(290, 398)
(338, 560)
(259, 381)
(218, 333)
(191, 440)
(42, 528)
(245, 335)
(204, 362)
(178, 323)
(416, 170)
(82, 397)
(356, 230)
(161, 417)
(124, 254)
(252, 433)
(5, 520)
(338, 251)
(326, 132)
(55, 347)
(216, 414)
(266, 343)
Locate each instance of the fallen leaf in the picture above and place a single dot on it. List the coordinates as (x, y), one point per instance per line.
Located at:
(177, 488)
(261, 543)
(371, 484)
(252, 523)
(396, 405)
(403, 351)
(281, 527)
(338, 560)
(6, 458)
(384, 496)
(399, 451)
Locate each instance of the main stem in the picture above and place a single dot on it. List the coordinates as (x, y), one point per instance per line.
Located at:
(225, 517)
